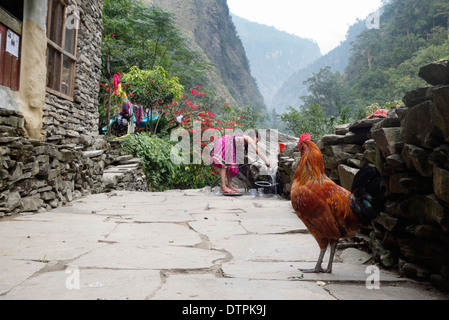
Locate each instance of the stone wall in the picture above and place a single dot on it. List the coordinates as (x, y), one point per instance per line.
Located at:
(75, 122)
(37, 176)
(72, 160)
(124, 172)
(411, 149)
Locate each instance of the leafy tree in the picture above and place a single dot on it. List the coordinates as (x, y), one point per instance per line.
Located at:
(326, 89)
(136, 35)
(152, 88)
(310, 119)
(385, 62)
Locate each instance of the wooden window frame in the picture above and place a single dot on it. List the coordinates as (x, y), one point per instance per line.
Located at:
(59, 49)
(9, 64)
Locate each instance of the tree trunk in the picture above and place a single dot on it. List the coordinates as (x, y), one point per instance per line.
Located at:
(370, 61)
(110, 94)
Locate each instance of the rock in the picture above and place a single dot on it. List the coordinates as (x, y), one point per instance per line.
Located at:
(394, 183)
(122, 159)
(440, 112)
(417, 184)
(439, 282)
(438, 212)
(413, 208)
(389, 223)
(415, 97)
(17, 172)
(418, 126)
(331, 139)
(47, 196)
(396, 161)
(346, 176)
(387, 123)
(388, 140)
(363, 124)
(342, 129)
(441, 184)
(370, 144)
(336, 155)
(355, 163)
(13, 200)
(417, 158)
(386, 257)
(424, 231)
(427, 254)
(30, 204)
(93, 154)
(414, 271)
(440, 157)
(435, 73)
(349, 138)
(369, 156)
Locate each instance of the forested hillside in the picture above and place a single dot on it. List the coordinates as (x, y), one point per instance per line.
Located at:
(385, 62)
(208, 27)
(274, 55)
(174, 70)
(291, 91)
(383, 66)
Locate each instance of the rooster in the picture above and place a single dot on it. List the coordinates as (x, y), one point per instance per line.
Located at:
(329, 211)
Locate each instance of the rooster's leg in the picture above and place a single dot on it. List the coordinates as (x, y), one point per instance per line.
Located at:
(318, 268)
(331, 258)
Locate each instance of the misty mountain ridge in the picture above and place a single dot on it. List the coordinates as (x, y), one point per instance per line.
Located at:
(209, 29)
(274, 55)
(291, 91)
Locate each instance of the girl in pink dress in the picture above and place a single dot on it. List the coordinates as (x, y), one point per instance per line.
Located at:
(227, 155)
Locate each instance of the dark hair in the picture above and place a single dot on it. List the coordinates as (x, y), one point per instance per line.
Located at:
(254, 133)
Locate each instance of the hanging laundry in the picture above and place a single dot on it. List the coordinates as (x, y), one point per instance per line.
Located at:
(138, 112)
(126, 109)
(117, 84)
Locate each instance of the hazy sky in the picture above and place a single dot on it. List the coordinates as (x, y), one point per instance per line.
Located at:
(325, 21)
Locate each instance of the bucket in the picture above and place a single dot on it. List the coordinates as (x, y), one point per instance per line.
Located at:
(264, 188)
(281, 147)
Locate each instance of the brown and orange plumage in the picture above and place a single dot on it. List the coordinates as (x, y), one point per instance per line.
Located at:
(329, 211)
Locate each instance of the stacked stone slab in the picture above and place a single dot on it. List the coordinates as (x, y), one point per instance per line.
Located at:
(124, 172)
(411, 149)
(37, 176)
(75, 122)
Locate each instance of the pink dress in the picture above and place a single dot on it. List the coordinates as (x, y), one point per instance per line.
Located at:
(225, 152)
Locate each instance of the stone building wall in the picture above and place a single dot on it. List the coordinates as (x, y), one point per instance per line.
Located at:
(36, 175)
(75, 122)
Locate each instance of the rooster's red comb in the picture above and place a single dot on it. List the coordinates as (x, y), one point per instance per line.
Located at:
(304, 137)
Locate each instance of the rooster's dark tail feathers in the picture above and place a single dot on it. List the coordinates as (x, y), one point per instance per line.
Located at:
(368, 195)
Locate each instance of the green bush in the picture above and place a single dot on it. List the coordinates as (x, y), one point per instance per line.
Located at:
(161, 172)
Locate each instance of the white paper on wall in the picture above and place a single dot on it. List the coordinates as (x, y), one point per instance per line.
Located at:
(12, 43)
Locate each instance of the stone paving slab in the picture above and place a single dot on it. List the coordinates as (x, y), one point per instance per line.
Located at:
(209, 287)
(279, 270)
(179, 245)
(94, 284)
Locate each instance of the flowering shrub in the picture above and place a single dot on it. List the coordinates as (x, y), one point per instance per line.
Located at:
(195, 114)
(161, 172)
